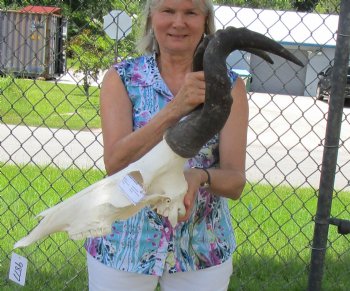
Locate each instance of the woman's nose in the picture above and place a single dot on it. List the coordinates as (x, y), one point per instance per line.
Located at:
(179, 19)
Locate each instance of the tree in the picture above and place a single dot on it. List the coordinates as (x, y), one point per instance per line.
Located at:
(305, 5)
(328, 6)
(82, 14)
(268, 4)
(91, 53)
(321, 6)
(87, 45)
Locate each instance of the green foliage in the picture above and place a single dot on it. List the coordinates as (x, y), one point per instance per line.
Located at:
(90, 54)
(327, 6)
(305, 5)
(79, 10)
(82, 14)
(321, 6)
(276, 4)
(89, 47)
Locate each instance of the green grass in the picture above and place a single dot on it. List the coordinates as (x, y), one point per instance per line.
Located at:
(25, 192)
(274, 230)
(42, 103)
(273, 227)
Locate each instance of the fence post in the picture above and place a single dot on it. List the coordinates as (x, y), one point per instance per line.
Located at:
(330, 153)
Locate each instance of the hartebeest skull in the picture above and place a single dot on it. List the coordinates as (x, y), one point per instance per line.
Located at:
(159, 173)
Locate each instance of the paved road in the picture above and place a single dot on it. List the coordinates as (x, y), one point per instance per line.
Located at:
(78, 78)
(42, 146)
(284, 143)
(285, 140)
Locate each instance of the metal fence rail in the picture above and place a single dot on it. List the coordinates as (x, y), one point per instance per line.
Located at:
(331, 145)
(51, 147)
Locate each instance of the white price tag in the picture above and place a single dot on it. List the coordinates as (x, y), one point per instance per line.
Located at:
(132, 190)
(18, 269)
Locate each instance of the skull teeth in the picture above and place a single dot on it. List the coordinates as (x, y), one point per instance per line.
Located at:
(90, 233)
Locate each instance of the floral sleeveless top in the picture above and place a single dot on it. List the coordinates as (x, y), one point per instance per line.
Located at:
(146, 243)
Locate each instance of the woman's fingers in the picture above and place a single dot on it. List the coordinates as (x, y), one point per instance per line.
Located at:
(189, 201)
(193, 179)
(191, 94)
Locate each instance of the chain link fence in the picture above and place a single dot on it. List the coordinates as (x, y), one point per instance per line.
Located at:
(52, 67)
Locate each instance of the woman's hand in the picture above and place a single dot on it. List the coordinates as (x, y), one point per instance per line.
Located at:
(194, 179)
(191, 93)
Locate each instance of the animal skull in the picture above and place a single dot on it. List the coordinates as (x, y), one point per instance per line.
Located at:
(92, 211)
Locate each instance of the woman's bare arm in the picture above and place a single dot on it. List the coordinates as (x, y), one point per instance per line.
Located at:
(228, 180)
(122, 145)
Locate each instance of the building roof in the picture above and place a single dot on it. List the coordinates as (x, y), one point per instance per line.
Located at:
(41, 9)
(285, 27)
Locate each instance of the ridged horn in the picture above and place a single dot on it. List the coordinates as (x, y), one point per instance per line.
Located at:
(188, 136)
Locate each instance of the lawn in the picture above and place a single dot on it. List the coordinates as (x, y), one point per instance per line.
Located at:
(42, 103)
(274, 229)
(57, 261)
(273, 225)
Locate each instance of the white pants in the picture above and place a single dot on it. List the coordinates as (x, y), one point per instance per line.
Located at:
(104, 278)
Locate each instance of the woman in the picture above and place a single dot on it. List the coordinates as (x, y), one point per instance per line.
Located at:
(140, 99)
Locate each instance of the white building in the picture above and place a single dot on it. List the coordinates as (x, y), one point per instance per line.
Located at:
(310, 36)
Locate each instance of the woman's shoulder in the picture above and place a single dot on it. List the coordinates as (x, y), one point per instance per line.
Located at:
(136, 63)
(136, 69)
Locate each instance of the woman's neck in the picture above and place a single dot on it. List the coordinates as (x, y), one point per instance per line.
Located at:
(178, 65)
(173, 71)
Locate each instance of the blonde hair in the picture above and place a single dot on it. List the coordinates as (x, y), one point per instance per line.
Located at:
(148, 43)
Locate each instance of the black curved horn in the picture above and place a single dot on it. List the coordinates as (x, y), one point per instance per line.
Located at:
(188, 136)
(199, 53)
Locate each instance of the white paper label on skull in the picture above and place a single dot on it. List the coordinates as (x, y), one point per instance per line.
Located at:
(131, 189)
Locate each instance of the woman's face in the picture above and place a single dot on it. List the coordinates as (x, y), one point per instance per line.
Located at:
(178, 26)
